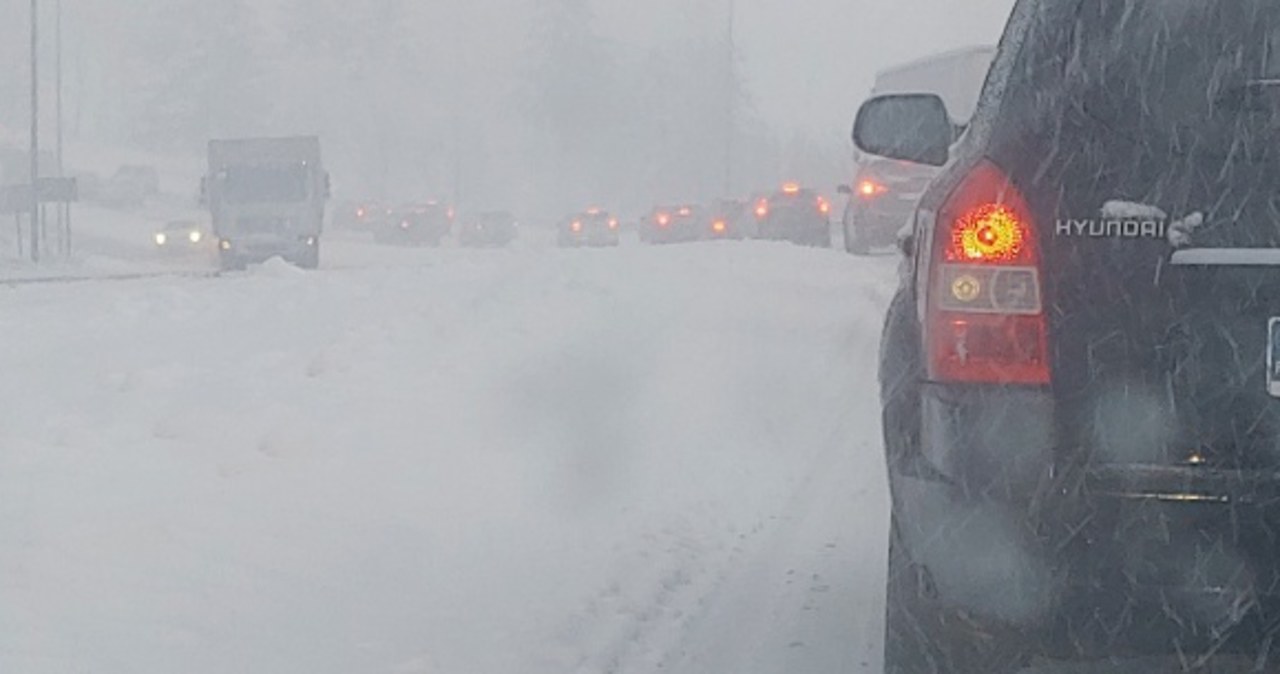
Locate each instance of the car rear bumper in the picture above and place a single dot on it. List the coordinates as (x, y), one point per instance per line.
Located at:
(878, 223)
(1105, 559)
(260, 251)
(591, 239)
(673, 235)
(793, 230)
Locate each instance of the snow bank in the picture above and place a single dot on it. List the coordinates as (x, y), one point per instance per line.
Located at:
(486, 463)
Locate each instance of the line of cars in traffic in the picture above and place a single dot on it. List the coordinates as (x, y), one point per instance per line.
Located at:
(792, 213)
(428, 223)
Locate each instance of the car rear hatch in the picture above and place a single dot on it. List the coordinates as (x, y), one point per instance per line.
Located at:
(1161, 229)
(799, 207)
(888, 183)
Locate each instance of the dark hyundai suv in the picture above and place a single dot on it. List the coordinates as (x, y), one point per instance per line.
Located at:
(1079, 371)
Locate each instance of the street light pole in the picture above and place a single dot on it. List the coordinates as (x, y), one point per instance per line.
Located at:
(35, 130)
(57, 38)
(730, 103)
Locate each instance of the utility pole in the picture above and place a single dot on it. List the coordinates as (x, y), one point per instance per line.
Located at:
(729, 102)
(35, 130)
(60, 168)
(57, 38)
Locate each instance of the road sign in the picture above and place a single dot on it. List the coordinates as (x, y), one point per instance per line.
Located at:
(17, 198)
(58, 190)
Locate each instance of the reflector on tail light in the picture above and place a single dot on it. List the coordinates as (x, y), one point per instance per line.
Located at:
(869, 189)
(985, 318)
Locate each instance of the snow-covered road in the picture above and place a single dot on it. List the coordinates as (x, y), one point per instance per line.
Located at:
(448, 461)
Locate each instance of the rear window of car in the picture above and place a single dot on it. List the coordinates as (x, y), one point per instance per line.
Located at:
(1196, 76)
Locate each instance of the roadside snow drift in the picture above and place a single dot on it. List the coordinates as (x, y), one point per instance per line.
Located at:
(513, 461)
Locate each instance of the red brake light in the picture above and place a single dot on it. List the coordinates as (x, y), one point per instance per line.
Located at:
(576, 226)
(664, 219)
(985, 319)
(870, 189)
(762, 209)
(823, 206)
(613, 223)
(989, 233)
(719, 226)
(791, 188)
(686, 211)
(359, 212)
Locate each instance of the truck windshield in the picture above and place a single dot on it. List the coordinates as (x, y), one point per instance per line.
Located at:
(265, 184)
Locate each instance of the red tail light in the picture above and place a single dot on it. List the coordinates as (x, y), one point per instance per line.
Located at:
(613, 223)
(663, 219)
(719, 226)
(762, 209)
(576, 226)
(985, 320)
(823, 206)
(869, 188)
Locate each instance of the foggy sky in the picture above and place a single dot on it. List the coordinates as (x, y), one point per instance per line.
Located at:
(804, 65)
(810, 62)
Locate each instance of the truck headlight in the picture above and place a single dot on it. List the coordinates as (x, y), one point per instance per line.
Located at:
(161, 239)
(225, 244)
(195, 237)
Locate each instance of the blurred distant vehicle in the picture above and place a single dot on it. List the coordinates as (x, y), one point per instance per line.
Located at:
(593, 227)
(425, 224)
(360, 216)
(125, 189)
(89, 186)
(796, 214)
(675, 224)
(146, 177)
(491, 229)
(267, 199)
(729, 219)
(182, 236)
(885, 191)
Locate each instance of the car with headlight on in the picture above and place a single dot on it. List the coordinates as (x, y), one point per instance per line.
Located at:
(425, 224)
(796, 214)
(361, 216)
(729, 219)
(492, 229)
(594, 227)
(181, 236)
(883, 194)
(675, 224)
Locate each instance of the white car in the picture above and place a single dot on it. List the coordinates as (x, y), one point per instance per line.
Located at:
(181, 236)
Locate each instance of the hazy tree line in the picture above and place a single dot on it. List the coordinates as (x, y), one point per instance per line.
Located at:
(534, 110)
